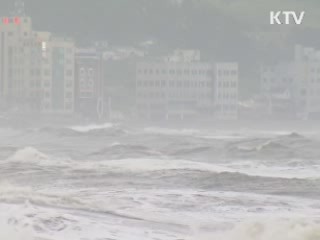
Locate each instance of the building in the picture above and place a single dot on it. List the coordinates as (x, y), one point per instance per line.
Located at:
(294, 87)
(277, 87)
(20, 57)
(225, 89)
(57, 73)
(182, 87)
(88, 82)
(307, 82)
(36, 68)
(119, 71)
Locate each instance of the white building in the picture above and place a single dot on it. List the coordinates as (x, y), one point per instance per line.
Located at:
(181, 86)
(277, 87)
(226, 87)
(19, 58)
(36, 69)
(307, 80)
(58, 75)
(294, 84)
(89, 84)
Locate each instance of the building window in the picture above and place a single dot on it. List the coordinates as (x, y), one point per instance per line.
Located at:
(69, 84)
(69, 95)
(69, 50)
(68, 106)
(46, 72)
(47, 83)
(91, 72)
(82, 72)
(69, 73)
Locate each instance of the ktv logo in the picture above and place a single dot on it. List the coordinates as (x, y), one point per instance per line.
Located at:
(286, 17)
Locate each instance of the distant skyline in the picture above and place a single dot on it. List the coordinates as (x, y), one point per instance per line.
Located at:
(227, 30)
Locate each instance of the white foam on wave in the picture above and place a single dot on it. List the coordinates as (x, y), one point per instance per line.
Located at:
(300, 229)
(91, 127)
(10, 228)
(171, 131)
(29, 223)
(8, 232)
(26, 222)
(28, 154)
(253, 169)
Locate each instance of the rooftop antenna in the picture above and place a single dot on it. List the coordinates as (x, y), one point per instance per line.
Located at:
(19, 8)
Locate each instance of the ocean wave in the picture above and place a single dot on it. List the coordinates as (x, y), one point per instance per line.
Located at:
(300, 229)
(91, 127)
(255, 170)
(144, 160)
(289, 146)
(29, 155)
(170, 131)
(107, 129)
(121, 151)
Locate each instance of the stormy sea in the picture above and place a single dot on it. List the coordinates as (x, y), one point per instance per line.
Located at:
(121, 182)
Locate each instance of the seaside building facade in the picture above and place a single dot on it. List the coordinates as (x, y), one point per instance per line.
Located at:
(181, 86)
(89, 87)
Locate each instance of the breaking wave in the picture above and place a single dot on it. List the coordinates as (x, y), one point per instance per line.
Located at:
(91, 127)
(28, 155)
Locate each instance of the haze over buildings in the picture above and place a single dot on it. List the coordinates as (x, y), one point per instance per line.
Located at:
(45, 73)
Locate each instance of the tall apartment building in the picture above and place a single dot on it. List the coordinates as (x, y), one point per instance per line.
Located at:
(58, 73)
(19, 60)
(36, 69)
(183, 87)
